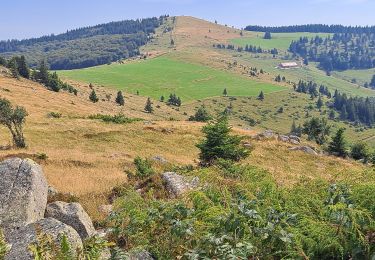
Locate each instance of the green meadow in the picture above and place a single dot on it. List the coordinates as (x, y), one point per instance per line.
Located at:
(163, 76)
(279, 41)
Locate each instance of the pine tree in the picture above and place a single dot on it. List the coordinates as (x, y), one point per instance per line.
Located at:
(93, 96)
(225, 93)
(148, 107)
(261, 96)
(162, 98)
(319, 103)
(120, 99)
(338, 144)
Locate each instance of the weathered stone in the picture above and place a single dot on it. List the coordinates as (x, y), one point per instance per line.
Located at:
(268, 134)
(247, 145)
(177, 184)
(73, 215)
(160, 159)
(22, 238)
(305, 149)
(294, 138)
(292, 141)
(23, 193)
(283, 138)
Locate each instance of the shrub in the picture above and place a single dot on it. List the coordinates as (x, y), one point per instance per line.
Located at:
(116, 119)
(54, 115)
(143, 167)
(360, 151)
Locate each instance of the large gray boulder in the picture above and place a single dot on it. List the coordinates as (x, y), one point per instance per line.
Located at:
(305, 149)
(23, 193)
(22, 238)
(73, 215)
(177, 184)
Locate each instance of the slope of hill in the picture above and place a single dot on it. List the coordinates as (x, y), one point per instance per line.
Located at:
(88, 157)
(85, 47)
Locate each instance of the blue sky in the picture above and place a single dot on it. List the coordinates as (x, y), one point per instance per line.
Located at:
(30, 18)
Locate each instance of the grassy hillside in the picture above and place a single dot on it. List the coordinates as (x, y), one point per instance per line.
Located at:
(163, 76)
(280, 41)
(88, 157)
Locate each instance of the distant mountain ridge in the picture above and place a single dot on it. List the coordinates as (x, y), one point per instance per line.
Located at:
(87, 46)
(314, 28)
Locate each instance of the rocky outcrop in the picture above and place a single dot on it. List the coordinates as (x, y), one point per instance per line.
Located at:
(305, 149)
(269, 135)
(23, 193)
(71, 214)
(177, 184)
(22, 238)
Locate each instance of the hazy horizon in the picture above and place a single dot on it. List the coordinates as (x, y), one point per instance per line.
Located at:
(41, 17)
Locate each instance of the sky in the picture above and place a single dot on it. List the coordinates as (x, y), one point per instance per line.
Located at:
(21, 19)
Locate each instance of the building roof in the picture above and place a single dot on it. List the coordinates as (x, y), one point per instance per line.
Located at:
(289, 64)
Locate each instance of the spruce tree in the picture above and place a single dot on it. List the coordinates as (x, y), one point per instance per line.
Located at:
(120, 99)
(261, 96)
(219, 144)
(148, 107)
(225, 93)
(43, 74)
(23, 69)
(162, 99)
(201, 115)
(319, 103)
(12, 65)
(338, 144)
(372, 83)
(93, 96)
(267, 36)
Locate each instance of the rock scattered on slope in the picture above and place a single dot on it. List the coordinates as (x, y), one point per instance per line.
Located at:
(305, 149)
(71, 214)
(22, 238)
(177, 184)
(23, 193)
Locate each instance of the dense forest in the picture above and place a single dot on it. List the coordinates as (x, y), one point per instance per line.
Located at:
(355, 109)
(85, 47)
(314, 28)
(340, 52)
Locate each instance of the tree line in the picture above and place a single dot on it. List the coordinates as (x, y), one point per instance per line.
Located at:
(340, 52)
(85, 47)
(19, 68)
(313, 28)
(247, 48)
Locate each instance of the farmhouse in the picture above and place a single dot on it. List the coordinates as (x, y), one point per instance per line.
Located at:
(289, 65)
